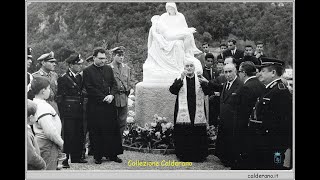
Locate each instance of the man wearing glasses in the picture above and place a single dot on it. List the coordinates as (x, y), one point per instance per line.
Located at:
(101, 87)
(247, 95)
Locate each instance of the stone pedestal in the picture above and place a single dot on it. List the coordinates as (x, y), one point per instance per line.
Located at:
(151, 99)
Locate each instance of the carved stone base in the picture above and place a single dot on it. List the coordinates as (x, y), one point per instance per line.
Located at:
(151, 99)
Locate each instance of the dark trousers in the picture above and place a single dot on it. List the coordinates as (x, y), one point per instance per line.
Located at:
(214, 110)
(73, 137)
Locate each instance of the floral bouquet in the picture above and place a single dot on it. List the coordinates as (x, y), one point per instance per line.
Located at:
(212, 134)
(155, 135)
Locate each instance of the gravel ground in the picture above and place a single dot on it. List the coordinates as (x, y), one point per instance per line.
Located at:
(211, 163)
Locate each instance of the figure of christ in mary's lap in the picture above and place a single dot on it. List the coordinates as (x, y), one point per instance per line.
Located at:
(170, 43)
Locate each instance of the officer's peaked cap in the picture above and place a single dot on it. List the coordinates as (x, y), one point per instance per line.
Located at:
(47, 57)
(265, 61)
(118, 50)
(74, 58)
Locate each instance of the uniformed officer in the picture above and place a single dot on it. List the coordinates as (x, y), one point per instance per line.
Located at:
(271, 124)
(29, 75)
(70, 96)
(48, 64)
(29, 62)
(122, 75)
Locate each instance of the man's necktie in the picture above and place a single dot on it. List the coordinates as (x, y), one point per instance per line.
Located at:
(228, 86)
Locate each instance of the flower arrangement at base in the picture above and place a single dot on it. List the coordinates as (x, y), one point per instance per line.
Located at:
(212, 134)
(155, 135)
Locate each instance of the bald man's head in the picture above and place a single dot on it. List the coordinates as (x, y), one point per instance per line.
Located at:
(189, 67)
(230, 71)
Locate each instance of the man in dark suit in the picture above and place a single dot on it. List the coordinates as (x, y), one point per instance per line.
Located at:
(237, 54)
(225, 137)
(272, 123)
(70, 103)
(247, 96)
(216, 85)
(101, 87)
(223, 48)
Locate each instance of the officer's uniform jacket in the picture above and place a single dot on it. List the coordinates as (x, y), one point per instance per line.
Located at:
(122, 77)
(70, 95)
(53, 77)
(273, 115)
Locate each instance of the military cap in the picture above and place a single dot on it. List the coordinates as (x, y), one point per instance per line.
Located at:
(29, 50)
(265, 61)
(74, 58)
(90, 58)
(47, 57)
(118, 50)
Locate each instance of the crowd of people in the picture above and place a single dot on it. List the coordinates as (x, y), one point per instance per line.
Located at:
(249, 103)
(83, 102)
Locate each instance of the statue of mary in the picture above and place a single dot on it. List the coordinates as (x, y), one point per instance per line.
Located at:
(170, 44)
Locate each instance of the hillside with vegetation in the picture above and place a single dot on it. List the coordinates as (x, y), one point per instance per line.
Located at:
(64, 27)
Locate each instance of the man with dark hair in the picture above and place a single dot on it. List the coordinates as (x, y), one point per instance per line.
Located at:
(201, 56)
(259, 50)
(101, 88)
(48, 64)
(252, 89)
(216, 85)
(210, 73)
(223, 48)
(248, 56)
(70, 96)
(122, 75)
(272, 123)
(237, 54)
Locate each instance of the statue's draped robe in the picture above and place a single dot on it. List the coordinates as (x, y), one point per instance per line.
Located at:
(170, 43)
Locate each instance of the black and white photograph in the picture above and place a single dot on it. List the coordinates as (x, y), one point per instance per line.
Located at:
(159, 89)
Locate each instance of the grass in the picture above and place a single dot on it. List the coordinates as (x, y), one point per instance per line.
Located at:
(211, 163)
